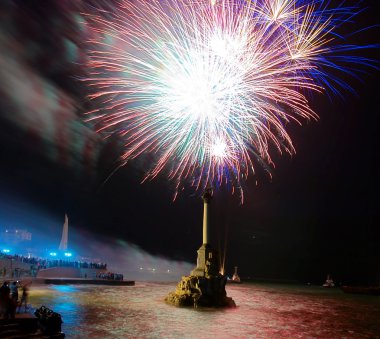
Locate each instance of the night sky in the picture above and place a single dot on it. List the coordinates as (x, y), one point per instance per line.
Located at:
(318, 214)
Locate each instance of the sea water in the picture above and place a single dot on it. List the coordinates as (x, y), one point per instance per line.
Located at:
(263, 311)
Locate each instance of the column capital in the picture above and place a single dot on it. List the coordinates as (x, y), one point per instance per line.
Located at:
(207, 195)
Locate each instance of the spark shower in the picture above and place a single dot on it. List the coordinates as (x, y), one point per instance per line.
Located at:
(207, 87)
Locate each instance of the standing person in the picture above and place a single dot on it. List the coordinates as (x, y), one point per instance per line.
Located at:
(4, 300)
(14, 292)
(24, 297)
(14, 299)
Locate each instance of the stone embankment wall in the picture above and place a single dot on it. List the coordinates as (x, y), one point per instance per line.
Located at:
(10, 269)
(68, 272)
(54, 272)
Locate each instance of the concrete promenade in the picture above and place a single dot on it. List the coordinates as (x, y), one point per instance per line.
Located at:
(69, 281)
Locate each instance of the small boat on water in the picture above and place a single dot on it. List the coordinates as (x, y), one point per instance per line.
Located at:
(371, 290)
(329, 282)
(235, 278)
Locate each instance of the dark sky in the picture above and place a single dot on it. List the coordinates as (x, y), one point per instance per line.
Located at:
(319, 213)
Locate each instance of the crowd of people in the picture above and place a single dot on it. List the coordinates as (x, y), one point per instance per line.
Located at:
(110, 276)
(42, 263)
(10, 301)
(47, 263)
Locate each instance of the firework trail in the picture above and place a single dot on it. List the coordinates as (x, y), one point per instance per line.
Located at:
(208, 87)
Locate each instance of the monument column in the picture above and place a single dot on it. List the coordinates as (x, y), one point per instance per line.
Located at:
(206, 202)
(207, 259)
(205, 286)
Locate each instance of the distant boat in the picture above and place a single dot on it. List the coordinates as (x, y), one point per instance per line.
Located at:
(235, 277)
(372, 290)
(329, 282)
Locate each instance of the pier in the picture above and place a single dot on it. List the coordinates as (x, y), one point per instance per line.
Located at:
(69, 281)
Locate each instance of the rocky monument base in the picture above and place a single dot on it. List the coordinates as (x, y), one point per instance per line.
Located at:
(205, 286)
(201, 291)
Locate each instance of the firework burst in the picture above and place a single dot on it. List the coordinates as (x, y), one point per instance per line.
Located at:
(208, 87)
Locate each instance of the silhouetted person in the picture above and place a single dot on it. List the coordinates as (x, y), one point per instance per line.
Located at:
(24, 297)
(14, 292)
(14, 299)
(5, 300)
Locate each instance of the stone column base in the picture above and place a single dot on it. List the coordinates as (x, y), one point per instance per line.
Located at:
(201, 291)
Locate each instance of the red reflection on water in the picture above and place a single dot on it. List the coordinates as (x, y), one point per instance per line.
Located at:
(264, 311)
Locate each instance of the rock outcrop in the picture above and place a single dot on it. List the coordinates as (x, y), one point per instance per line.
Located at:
(201, 291)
